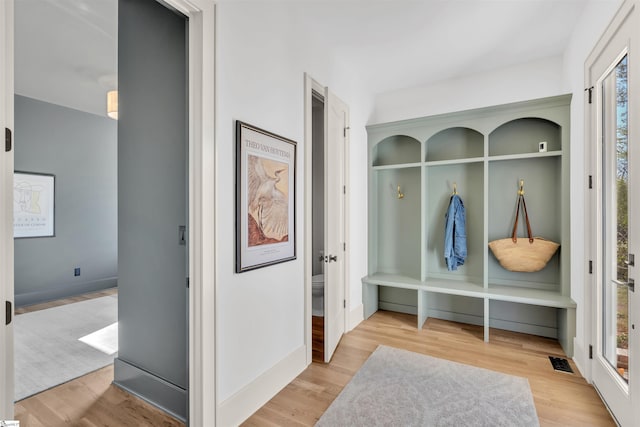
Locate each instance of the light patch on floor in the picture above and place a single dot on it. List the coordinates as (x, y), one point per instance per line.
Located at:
(47, 349)
(104, 340)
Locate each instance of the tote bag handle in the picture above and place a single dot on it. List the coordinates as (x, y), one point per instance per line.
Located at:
(514, 237)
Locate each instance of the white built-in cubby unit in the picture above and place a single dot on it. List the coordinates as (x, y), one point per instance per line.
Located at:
(414, 165)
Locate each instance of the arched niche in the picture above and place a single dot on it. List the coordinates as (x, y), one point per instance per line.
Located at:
(395, 150)
(524, 135)
(455, 143)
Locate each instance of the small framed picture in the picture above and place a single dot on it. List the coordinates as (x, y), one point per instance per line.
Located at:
(33, 205)
(265, 198)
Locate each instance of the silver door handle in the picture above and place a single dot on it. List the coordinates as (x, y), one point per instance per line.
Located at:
(630, 284)
(331, 258)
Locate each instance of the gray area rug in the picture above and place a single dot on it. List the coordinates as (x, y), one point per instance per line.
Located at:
(47, 350)
(401, 388)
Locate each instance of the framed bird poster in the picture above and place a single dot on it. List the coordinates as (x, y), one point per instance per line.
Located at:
(265, 198)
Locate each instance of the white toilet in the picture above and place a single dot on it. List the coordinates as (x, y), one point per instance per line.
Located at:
(317, 295)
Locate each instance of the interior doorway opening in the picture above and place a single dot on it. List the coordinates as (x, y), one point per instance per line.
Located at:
(91, 158)
(201, 105)
(318, 197)
(326, 218)
(65, 245)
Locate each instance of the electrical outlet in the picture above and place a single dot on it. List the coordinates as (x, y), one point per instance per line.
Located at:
(542, 146)
(76, 271)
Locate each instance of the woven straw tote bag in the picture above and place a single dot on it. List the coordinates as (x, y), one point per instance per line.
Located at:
(523, 255)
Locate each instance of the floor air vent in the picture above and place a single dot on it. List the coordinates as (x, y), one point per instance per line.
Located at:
(560, 364)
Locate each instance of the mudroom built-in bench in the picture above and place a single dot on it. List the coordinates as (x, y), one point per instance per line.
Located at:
(483, 155)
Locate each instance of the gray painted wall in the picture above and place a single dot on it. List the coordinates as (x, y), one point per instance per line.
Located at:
(80, 149)
(152, 194)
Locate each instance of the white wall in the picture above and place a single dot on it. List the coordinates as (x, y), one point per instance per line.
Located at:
(594, 20)
(522, 82)
(542, 78)
(262, 55)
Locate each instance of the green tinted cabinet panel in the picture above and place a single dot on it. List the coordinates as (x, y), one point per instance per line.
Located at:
(399, 221)
(396, 149)
(469, 181)
(455, 143)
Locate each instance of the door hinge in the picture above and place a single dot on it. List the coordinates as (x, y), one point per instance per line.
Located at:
(344, 247)
(590, 90)
(590, 351)
(344, 303)
(590, 181)
(344, 189)
(8, 312)
(7, 140)
(187, 282)
(590, 267)
(345, 131)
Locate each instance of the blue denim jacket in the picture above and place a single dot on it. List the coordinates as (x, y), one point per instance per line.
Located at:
(455, 236)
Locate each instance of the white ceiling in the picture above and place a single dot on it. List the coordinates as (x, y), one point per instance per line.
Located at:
(66, 50)
(401, 44)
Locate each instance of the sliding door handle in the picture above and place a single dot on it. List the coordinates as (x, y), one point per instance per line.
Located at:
(182, 235)
(630, 284)
(8, 312)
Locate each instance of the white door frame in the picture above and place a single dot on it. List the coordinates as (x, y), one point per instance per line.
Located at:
(311, 85)
(202, 303)
(202, 362)
(6, 214)
(621, 43)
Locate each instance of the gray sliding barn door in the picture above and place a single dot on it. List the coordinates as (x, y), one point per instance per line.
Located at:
(152, 203)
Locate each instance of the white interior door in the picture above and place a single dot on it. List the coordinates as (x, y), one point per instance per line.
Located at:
(336, 124)
(6, 211)
(614, 127)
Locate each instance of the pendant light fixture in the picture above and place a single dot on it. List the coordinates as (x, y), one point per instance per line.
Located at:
(112, 104)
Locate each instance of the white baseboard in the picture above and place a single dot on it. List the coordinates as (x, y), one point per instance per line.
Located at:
(237, 408)
(356, 316)
(579, 357)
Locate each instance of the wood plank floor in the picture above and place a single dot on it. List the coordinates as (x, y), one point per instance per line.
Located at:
(561, 399)
(317, 339)
(70, 300)
(88, 401)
